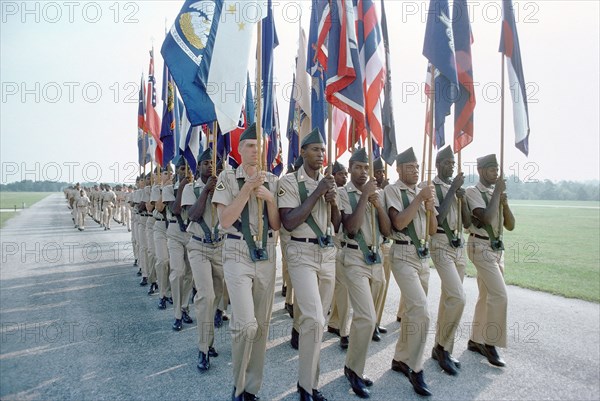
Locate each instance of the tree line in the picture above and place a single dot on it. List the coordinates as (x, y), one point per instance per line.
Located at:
(517, 189)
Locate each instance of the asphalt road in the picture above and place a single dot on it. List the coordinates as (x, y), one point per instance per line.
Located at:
(76, 325)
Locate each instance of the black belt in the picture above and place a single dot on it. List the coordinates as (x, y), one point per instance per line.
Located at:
(208, 241)
(144, 214)
(351, 246)
(159, 219)
(233, 236)
(402, 242)
(440, 231)
(480, 236)
(173, 221)
(306, 240)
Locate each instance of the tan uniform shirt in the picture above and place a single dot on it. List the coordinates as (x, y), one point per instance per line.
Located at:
(393, 198)
(366, 227)
(289, 197)
(475, 201)
(210, 217)
(228, 189)
(452, 216)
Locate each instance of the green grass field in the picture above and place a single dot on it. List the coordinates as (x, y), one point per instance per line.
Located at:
(555, 248)
(8, 200)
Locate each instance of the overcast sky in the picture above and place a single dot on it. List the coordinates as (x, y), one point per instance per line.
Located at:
(70, 74)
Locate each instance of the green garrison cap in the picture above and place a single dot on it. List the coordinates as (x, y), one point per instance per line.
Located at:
(313, 137)
(378, 164)
(206, 155)
(249, 133)
(487, 161)
(444, 153)
(337, 167)
(298, 163)
(408, 156)
(180, 162)
(359, 155)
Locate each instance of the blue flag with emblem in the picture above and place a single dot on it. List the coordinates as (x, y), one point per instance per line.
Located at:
(167, 131)
(189, 40)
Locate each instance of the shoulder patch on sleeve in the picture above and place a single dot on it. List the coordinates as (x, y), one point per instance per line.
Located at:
(281, 192)
(220, 187)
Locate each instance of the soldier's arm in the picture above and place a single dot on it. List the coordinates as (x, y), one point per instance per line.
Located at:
(230, 213)
(292, 218)
(509, 218)
(401, 219)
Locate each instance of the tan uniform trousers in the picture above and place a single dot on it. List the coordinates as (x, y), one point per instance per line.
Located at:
(450, 264)
(340, 308)
(126, 216)
(134, 241)
(108, 214)
(489, 321)
(151, 249)
(162, 258)
(181, 273)
(289, 292)
(364, 283)
(142, 245)
(206, 261)
(98, 212)
(81, 212)
(412, 275)
(312, 270)
(382, 295)
(251, 288)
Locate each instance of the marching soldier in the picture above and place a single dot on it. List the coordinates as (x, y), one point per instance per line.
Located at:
(108, 204)
(180, 276)
(142, 240)
(152, 186)
(360, 202)
(448, 255)
(407, 206)
(339, 318)
(82, 205)
(160, 236)
(382, 182)
(490, 211)
(205, 251)
(304, 199)
(248, 264)
(134, 202)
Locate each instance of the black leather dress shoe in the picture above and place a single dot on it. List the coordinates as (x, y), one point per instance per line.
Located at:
(368, 382)
(186, 318)
(295, 338)
(453, 359)
(344, 341)
(492, 356)
(153, 288)
(170, 300)
(317, 395)
(139, 272)
(144, 281)
(443, 357)
(475, 347)
(203, 361)
(290, 309)
(177, 325)
(382, 329)
(418, 382)
(212, 352)
(218, 318)
(399, 366)
(358, 385)
(283, 290)
(398, 319)
(238, 398)
(333, 330)
(162, 303)
(304, 395)
(250, 397)
(376, 336)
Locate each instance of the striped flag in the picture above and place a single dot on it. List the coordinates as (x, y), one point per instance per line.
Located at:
(340, 131)
(509, 46)
(344, 87)
(372, 55)
(320, 22)
(142, 137)
(152, 125)
(438, 48)
(465, 104)
(390, 149)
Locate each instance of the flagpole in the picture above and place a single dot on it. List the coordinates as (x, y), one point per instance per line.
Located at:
(259, 143)
(459, 203)
(429, 159)
(214, 169)
(353, 128)
(502, 85)
(425, 135)
(371, 175)
(329, 159)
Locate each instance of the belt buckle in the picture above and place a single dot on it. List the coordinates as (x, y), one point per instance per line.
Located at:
(258, 254)
(423, 250)
(497, 245)
(325, 241)
(456, 242)
(373, 256)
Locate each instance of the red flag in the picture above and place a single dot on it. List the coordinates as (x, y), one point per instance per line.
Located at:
(152, 124)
